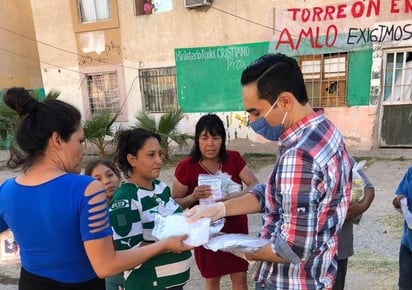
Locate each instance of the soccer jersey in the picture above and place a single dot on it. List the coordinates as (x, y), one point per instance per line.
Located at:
(132, 213)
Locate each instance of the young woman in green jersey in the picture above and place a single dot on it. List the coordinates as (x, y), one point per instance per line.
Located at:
(134, 206)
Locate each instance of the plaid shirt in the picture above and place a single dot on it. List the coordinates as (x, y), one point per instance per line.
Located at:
(305, 204)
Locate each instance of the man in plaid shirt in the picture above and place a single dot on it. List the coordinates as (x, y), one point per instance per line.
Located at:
(306, 198)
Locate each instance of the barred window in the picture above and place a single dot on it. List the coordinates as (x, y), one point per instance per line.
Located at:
(103, 92)
(398, 77)
(94, 10)
(158, 89)
(325, 78)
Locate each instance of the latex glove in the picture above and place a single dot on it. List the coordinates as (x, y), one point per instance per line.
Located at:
(214, 211)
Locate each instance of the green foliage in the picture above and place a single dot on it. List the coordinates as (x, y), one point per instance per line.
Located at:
(8, 123)
(167, 128)
(9, 119)
(98, 127)
(52, 95)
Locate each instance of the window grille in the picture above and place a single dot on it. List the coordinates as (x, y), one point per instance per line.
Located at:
(325, 78)
(158, 89)
(103, 92)
(397, 87)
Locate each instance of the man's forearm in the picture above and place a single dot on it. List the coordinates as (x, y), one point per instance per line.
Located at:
(244, 204)
(265, 254)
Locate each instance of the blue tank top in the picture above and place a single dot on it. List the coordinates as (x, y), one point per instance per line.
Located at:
(50, 222)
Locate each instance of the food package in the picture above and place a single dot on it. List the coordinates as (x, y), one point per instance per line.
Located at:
(215, 183)
(358, 187)
(234, 243)
(177, 224)
(221, 185)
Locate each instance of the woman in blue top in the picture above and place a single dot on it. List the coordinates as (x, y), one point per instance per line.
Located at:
(58, 217)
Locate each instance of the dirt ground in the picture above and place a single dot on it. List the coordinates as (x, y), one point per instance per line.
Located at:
(374, 265)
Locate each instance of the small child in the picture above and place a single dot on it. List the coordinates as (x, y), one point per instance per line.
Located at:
(107, 173)
(148, 7)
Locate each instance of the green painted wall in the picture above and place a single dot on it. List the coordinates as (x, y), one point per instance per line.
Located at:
(208, 78)
(359, 77)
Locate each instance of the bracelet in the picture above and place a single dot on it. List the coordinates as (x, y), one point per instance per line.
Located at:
(223, 207)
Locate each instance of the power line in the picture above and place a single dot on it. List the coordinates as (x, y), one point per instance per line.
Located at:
(40, 61)
(121, 65)
(245, 19)
(64, 50)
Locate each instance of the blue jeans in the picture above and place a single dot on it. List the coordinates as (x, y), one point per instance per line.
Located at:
(405, 266)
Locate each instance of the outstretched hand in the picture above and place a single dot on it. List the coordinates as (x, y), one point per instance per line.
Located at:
(213, 211)
(176, 244)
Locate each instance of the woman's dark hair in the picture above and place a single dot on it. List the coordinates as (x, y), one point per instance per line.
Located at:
(213, 125)
(130, 142)
(39, 120)
(275, 73)
(96, 162)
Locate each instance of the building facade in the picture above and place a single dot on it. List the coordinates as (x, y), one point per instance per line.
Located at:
(19, 57)
(110, 54)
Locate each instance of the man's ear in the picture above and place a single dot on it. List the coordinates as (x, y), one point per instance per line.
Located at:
(285, 101)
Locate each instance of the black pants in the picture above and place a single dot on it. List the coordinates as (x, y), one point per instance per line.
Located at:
(341, 275)
(29, 281)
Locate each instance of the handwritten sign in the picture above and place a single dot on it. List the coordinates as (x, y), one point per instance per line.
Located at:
(350, 26)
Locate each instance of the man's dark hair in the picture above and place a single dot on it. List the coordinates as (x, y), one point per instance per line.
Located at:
(274, 74)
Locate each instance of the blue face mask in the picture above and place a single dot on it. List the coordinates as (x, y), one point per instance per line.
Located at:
(261, 126)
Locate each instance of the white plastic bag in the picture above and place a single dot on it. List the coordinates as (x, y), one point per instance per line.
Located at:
(228, 185)
(358, 187)
(176, 225)
(358, 184)
(407, 215)
(235, 243)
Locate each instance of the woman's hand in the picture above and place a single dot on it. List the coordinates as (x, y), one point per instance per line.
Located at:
(176, 244)
(201, 192)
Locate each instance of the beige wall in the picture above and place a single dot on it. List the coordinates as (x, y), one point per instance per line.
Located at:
(148, 41)
(57, 49)
(19, 65)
